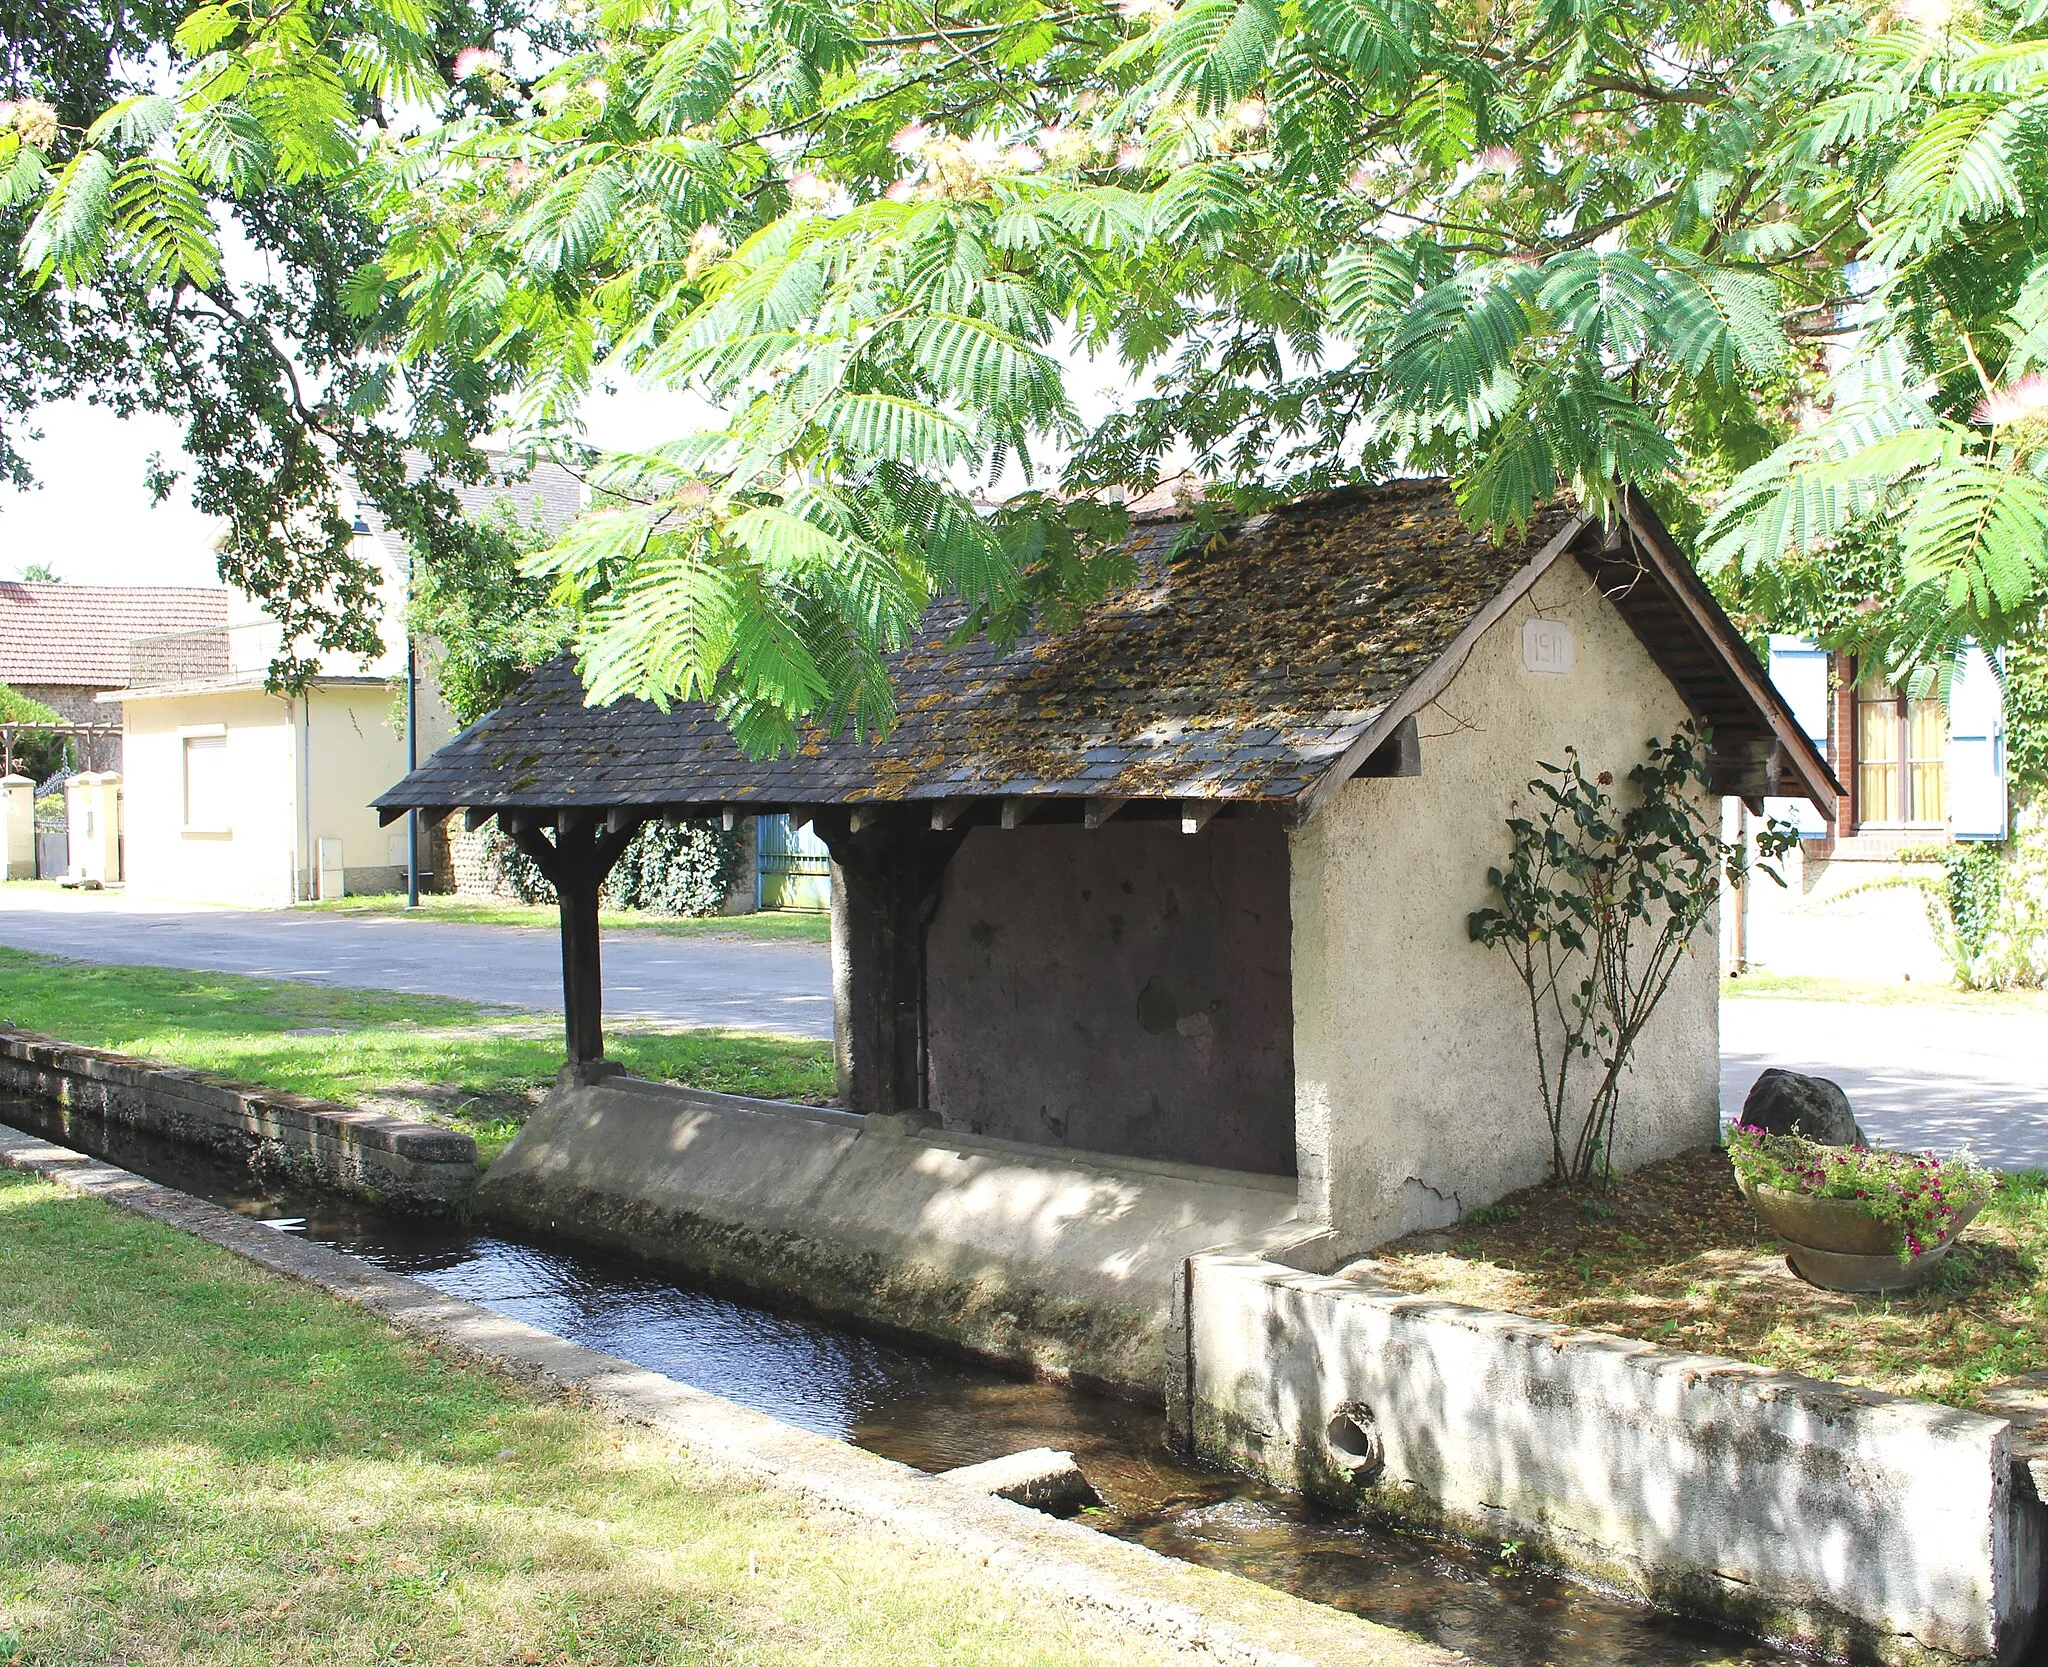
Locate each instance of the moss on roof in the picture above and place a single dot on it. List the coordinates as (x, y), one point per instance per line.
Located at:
(1240, 669)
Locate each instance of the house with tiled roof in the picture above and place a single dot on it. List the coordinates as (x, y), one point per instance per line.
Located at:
(1148, 935)
(66, 645)
(235, 793)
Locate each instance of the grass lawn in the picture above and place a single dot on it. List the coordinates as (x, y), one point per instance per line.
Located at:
(201, 1463)
(459, 1062)
(1680, 1260)
(769, 926)
(1766, 986)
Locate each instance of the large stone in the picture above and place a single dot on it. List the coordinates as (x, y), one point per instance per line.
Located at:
(1040, 1477)
(1787, 1102)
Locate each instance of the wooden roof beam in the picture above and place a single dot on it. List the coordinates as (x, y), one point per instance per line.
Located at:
(946, 813)
(1016, 812)
(1197, 814)
(1098, 811)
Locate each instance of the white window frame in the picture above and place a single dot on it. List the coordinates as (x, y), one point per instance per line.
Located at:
(213, 822)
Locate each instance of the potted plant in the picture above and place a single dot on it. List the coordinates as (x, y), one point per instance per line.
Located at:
(1855, 1218)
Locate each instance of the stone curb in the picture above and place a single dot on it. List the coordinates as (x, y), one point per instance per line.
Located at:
(1196, 1612)
(394, 1160)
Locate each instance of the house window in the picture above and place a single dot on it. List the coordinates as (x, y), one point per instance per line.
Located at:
(1901, 756)
(206, 782)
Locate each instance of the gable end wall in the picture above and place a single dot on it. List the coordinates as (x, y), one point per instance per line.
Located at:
(1415, 1087)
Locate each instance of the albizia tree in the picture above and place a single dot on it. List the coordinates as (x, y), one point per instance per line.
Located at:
(1538, 246)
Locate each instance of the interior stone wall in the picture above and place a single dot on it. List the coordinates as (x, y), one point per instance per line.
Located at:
(1122, 990)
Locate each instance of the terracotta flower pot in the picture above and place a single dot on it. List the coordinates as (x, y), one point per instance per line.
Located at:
(1839, 1245)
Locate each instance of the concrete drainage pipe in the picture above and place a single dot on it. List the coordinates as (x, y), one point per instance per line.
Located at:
(1352, 1438)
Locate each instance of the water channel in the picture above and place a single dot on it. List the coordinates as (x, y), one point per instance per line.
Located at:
(935, 1412)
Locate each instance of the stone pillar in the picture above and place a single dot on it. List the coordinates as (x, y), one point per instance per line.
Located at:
(885, 887)
(92, 808)
(18, 810)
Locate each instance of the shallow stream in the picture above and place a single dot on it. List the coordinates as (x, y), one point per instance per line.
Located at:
(935, 1412)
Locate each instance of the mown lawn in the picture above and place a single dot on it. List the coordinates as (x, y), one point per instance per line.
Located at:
(770, 925)
(1771, 986)
(1673, 1254)
(201, 1463)
(457, 1061)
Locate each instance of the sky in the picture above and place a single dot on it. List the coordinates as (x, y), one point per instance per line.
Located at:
(90, 517)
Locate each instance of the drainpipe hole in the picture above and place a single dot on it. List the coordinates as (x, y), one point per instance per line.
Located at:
(1353, 1439)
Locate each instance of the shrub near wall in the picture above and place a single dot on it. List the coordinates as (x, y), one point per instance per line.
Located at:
(677, 868)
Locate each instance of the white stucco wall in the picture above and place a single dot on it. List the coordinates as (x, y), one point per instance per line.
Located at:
(300, 776)
(1415, 1089)
(247, 861)
(357, 752)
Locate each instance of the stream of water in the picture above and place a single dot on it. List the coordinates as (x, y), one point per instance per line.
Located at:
(935, 1412)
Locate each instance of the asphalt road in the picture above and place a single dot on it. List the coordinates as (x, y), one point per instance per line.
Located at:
(1919, 1075)
(785, 988)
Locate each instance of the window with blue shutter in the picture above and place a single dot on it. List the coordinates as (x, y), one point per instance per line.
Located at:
(1976, 750)
(1799, 668)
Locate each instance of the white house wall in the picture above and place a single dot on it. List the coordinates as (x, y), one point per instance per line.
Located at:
(249, 861)
(300, 777)
(356, 752)
(1416, 1096)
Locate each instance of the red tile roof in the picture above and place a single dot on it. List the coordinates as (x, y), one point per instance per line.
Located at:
(79, 634)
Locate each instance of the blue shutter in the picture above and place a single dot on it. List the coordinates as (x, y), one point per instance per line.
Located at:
(1800, 670)
(1976, 750)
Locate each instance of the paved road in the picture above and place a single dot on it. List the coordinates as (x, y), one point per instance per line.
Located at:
(757, 986)
(1919, 1075)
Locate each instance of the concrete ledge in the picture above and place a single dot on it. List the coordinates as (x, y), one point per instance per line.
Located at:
(1841, 1520)
(1057, 1260)
(1199, 1613)
(399, 1163)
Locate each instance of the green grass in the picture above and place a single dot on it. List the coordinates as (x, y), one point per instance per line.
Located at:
(204, 1464)
(1802, 987)
(456, 1061)
(768, 926)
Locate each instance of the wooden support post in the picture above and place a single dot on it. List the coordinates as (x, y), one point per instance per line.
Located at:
(1196, 814)
(575, 863)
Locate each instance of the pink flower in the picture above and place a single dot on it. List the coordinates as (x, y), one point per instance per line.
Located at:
(1499, 159)
(911, 139)
(1131, 158)
(902, 191)
(2015, 402)
(809, 189)
(473, 60)
(517, 174)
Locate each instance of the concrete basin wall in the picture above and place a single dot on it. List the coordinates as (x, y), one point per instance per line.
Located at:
(390, 1160)
(1060, 1261)
(1849, 1522)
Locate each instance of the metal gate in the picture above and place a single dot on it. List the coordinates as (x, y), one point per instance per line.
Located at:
(53, 850)
(792, 867)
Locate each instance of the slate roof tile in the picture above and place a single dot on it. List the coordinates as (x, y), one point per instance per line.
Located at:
(1235, 671)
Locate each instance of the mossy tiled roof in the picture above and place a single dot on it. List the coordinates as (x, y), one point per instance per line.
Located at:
(1239, 671)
